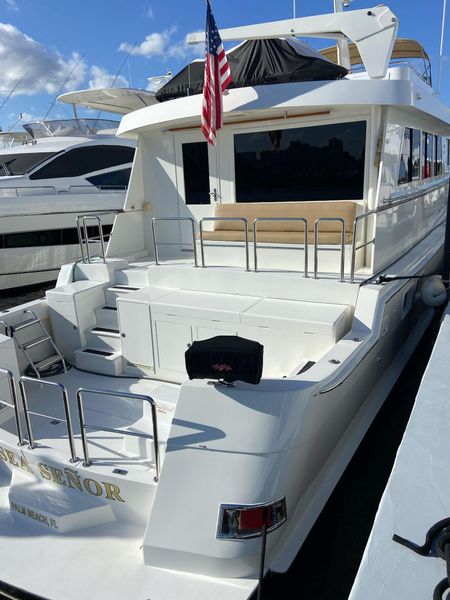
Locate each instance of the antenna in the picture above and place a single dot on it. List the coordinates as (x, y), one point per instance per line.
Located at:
(117, 75)
(63, 84)
(12, 91)
(441, 51)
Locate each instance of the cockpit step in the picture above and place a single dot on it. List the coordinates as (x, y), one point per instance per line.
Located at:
(58, 509)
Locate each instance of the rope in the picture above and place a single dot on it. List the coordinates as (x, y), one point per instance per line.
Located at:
(437, 544)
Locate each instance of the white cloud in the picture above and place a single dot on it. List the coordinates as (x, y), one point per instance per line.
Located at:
(162, 44)
(12, 5)
(100, 78)
(46, 69)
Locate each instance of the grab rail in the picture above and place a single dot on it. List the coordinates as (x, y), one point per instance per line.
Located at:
(27, 412)
(316, 244)
(242, 220)
(156, 244)
(275, 219)
(83, 425)
(86, 240)
(13, 405)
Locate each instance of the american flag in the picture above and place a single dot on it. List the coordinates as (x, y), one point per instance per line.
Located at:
(217, 79)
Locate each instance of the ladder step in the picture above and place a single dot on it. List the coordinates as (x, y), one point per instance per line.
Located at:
(35, 342)
(24, 324)
(48, 361)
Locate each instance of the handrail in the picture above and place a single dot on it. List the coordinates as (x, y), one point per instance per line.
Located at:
(83, 425)
(242, 219)
(95, 189)
(403, 199)
(27, 412)
(14, 405)
(156, 244)
(316, 244)
(82, 230)
(276, 219)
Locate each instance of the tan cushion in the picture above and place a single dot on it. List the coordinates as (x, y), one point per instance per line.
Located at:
(307, 210)
(286, 237)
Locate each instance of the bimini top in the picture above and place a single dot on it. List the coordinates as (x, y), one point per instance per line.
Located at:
(258, 62)
(114, 100)
(403, 48)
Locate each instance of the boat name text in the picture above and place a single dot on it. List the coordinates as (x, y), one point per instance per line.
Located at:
(66, 477)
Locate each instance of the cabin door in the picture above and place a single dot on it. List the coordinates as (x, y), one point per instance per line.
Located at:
(198, 182)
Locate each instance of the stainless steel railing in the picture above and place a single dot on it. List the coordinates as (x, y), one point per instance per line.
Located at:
(28, 413)
(341, 249)
(13, 404)
(278, 219)
(83, 425)
(242, 220)
(83, 236)
(156, 220)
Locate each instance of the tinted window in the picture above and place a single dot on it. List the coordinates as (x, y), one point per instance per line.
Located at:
(410, 156)
(415, 144)
(437, 155)
(117, 180)
(18, 164)
(196, 173)
(405, 171)
(309, 163)
(80, 161)
(427, 155)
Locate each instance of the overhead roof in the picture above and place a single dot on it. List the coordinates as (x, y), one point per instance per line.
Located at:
(403, 48)
(115, 100)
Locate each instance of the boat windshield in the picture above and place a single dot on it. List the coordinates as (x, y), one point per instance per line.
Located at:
(19, 164)
(71, 127)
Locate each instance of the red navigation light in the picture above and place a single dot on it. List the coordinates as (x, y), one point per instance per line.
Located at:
(240, 521)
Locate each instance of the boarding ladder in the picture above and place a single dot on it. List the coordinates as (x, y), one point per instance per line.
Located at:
(42, 365)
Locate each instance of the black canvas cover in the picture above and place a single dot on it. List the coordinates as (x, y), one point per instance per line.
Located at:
(227, 357)
(258, 62)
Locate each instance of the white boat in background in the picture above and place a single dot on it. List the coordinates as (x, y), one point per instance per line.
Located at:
(221, 383)
(61, 169)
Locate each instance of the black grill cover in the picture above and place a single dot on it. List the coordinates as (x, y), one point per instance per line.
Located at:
(258, 62)
(227, 357)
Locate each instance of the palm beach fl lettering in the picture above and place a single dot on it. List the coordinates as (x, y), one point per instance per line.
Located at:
(67, 477)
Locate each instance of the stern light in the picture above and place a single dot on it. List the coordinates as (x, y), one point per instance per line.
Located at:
(240, 521)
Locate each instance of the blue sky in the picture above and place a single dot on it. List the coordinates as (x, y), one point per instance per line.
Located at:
(44, 39)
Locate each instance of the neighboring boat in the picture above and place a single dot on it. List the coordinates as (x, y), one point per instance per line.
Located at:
(137, 481)
(62, 168)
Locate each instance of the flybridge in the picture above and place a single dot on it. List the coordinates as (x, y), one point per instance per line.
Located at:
(372, 30)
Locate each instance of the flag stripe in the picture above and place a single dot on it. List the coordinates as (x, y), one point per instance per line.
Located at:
(216, 79)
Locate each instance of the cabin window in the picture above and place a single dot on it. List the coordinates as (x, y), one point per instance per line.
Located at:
(324, 162)
(405, 172)
(115, 180)
(196, 173)
(410, 156)
(437, 155)
(80, 161)
(448, 153)
(19, 164)
(427, 155)
(415, 149)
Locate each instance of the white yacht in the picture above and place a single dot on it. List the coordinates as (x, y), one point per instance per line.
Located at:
(173, 425)
(61, 169)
